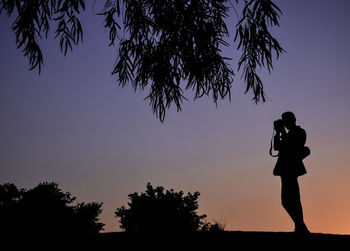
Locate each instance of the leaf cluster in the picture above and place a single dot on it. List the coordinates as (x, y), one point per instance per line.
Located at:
(256, 42)
(167, 44)
(33, 21)
(160, 211)
(174, 45)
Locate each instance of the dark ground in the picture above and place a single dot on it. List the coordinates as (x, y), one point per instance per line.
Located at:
(227, 240)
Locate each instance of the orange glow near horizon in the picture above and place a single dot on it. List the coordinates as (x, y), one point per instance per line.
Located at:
(246, 202)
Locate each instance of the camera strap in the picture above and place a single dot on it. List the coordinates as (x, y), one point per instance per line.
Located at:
(271, 145)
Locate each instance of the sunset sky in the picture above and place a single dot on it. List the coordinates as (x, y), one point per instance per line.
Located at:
(74, 125)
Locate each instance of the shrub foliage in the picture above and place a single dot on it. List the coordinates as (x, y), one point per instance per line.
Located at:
(46, 210)
(159, 210)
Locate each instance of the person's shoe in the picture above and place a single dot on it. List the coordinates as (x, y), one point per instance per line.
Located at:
(301, 230)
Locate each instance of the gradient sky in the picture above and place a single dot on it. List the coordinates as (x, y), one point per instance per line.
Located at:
(74, 125)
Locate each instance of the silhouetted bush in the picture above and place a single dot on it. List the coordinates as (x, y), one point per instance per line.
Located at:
(216, 226)
(46, 210)
(157, 210)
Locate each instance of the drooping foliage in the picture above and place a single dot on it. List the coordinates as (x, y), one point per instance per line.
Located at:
(257, 43)
(167, 44)
(165, 47)
(34, 19)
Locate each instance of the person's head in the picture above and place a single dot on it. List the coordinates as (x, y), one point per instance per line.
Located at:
(289, 120)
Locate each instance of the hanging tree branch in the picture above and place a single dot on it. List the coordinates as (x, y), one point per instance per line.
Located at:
(257, 43)
(33, 21)
(165, 46)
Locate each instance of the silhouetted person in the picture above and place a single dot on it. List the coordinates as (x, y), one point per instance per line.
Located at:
(291, 151)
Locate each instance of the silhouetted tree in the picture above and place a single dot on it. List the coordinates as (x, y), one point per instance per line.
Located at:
(165, 46)
(157, 210)
(86, 218)
(46, 210)
(10, 197)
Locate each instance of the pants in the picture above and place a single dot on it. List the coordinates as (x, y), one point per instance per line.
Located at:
(290, 196)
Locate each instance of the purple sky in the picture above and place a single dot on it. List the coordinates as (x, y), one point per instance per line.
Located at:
(74, 125)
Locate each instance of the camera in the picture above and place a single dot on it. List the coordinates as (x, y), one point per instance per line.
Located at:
(278, 125)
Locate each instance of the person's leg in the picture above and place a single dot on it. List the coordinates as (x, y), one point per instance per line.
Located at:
(286, 196)
(290, 196)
